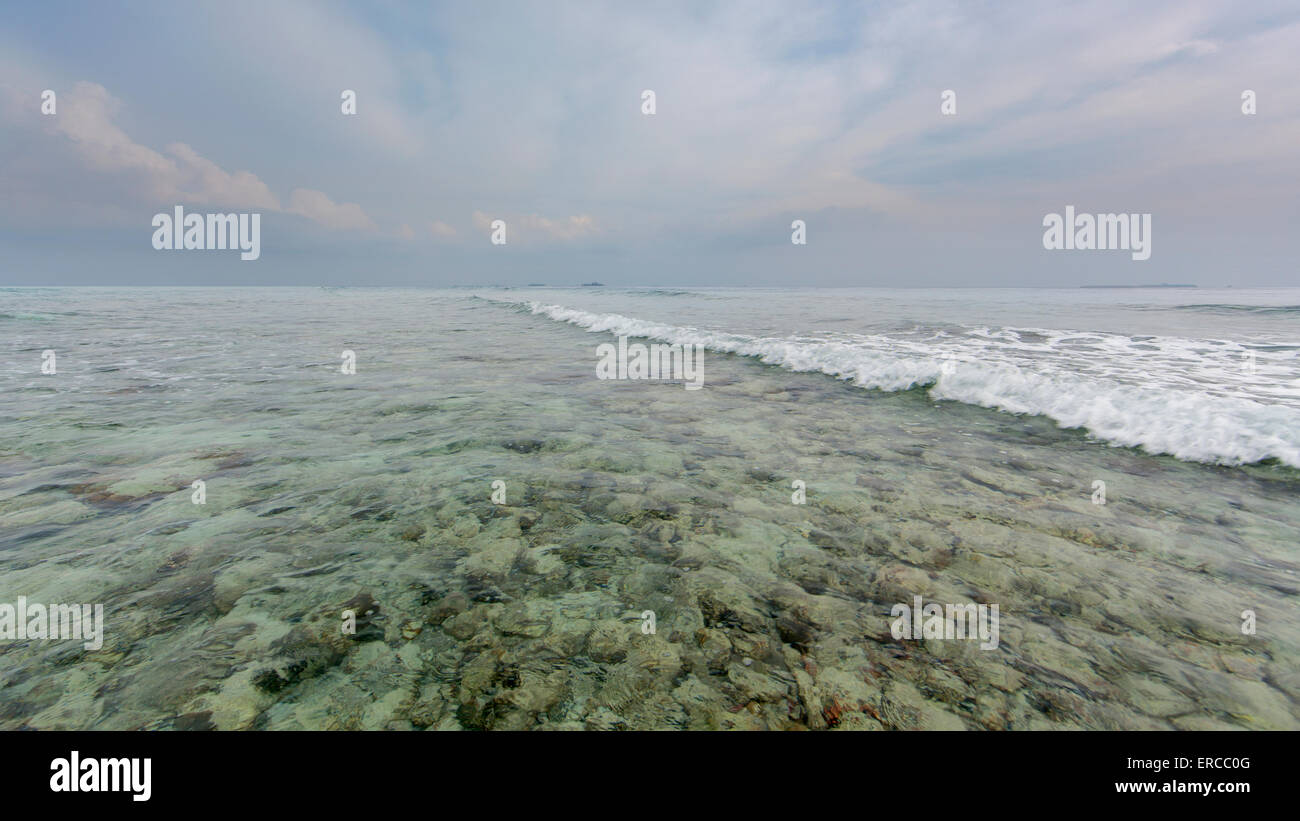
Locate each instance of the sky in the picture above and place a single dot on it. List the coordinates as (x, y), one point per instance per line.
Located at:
(765, 113)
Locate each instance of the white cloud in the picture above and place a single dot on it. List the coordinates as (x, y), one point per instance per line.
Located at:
(206, 183)
(85, 117)
(535, 226)
(318, 207)
(566, 228)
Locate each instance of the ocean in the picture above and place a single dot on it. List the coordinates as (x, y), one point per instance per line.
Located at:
(354, 508)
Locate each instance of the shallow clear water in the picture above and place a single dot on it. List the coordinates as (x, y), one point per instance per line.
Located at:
(372, 492)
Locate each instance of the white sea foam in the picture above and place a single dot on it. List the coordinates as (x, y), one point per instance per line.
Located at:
(1192, 399)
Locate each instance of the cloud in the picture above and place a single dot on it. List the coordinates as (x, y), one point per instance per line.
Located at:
(535, 226)
(211, 184)
(318, 207)
(85, 116)
(830, 115)
(562, 229)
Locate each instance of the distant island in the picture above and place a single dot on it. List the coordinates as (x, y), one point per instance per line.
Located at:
(537, 285)
(1161, 285)
(593, 285)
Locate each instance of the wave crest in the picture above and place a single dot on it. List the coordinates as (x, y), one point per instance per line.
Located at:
(1188, 424)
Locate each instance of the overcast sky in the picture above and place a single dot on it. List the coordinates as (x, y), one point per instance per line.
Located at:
(765, 113)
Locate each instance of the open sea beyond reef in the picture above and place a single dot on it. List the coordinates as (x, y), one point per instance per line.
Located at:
(950, 443)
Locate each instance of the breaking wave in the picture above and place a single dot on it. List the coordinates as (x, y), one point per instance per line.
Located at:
(1166, 395)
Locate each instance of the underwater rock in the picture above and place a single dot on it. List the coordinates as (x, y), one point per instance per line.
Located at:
(532, 692)
(898, 583)
(545, 561)
(655, 654)
(482, 590)
(452, 604)
(716, 648)
(411, 629)
(1253, 704)
(753, 685)
(526, 519)
(465, 527)
(412, 533)
(103, 496)
(194, 721)
(624, 686)
(751, 645)
(523, 445)
(567, 636)
(608, 641)
(529, 618)
(429, 706)
(302, 658)
(725, 604)
(366, 610)
(707, 708)
(795, 631)
(499, 692)
(810, 699)
(315, 645)
(468, 623)
(606, 719)
(495, 559)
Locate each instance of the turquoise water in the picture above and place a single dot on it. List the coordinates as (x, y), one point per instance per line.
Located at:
(373, 492)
